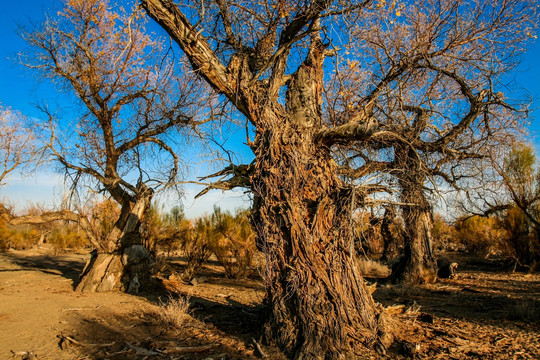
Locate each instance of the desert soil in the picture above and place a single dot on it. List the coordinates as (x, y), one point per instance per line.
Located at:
(486, 313)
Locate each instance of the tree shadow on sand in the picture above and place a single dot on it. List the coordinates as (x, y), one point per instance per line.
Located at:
(63, 265)
(213, 330)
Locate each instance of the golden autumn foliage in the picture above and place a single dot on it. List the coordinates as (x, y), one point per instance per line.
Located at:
(226, 235)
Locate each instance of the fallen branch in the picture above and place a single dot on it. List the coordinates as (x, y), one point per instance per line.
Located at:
(142, 351)
(66, 340)
(26, 355)
(188, 349)
(82, 309)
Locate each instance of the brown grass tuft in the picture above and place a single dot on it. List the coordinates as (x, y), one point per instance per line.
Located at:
(175, 312)
(372, 269)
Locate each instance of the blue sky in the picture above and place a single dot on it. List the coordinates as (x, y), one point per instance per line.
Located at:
(20, 90)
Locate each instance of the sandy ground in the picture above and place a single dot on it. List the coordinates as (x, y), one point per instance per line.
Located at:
(39, 308)
(484, 314)
(37, 303)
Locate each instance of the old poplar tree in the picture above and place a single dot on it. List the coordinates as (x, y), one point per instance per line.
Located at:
(440, 119)
(133, 107)
(268, 59)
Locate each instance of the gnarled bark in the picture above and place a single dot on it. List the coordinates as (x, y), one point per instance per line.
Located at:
(418, 264)
(318, 305)
(121, 261)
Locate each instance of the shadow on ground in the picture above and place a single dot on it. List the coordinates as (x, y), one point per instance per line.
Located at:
(484, 292)
(64, 265)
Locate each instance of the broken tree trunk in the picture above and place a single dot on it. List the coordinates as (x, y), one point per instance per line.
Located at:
(121, 262)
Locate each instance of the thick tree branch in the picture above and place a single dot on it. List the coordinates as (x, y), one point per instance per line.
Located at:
(354, 131)
(366, 169)
(202, 57)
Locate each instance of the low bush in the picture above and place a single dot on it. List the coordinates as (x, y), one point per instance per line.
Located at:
(480, 235)
(372, 269)
(233, 243)
(18, 238)
(67, 237)
(175, 312)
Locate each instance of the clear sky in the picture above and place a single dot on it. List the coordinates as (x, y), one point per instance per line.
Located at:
(20, 90)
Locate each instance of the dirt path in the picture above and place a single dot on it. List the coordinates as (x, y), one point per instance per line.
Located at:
(38, 306)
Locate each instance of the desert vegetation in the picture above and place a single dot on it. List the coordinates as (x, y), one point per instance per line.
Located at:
(388, 154)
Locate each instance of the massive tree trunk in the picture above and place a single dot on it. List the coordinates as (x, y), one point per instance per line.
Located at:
(318, 305)
(418, 264)
(121, 262)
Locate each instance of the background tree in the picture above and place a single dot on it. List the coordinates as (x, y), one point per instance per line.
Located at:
(134, 106)
(521, 178)
(18, 145)
(268, 59)
(434, 74)
(18, 151)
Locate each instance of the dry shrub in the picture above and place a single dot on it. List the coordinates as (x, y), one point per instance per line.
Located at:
(167, 232)
(196, 246)
(228, 236)
(18, 238)
(442, 234)
(480, 235)
(520, 242)
(176, 238)
(62, 235)
(233, 242)
(66, 236)
(175, 312)
(372, 269)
